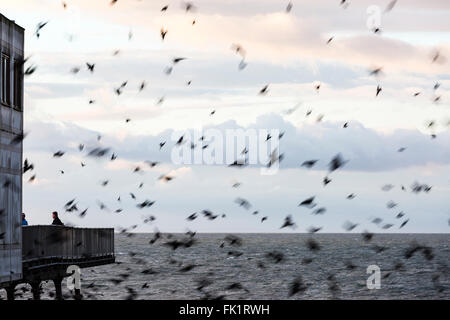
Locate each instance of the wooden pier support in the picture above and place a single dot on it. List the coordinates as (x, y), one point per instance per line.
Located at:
(77, 295)
(57, 281)
(36, 290)
(10, 292)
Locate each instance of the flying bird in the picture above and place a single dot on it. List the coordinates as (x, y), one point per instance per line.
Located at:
(307, 202)
(289, 7)
(367, 236)
(180, 140)
(188, 6)
(320, 210)
(176, 60)
(391, 204)
(18, 139)
(90, 66)
(243, 203)
(314, 229)
(160, 101)
(312, 245)
(30, 70)
(390, 6)
(98, 152)
(165, 178)
(317, 87)
(145, 204)
(336, 163)
(349, 226)
(438, 58)
(58, 154)
(151, 163)
(27, 166)
(238, 49)
(400, 214)
(387, 187)
(376, 71)
(83, 213)
(264, 90)
(309, 163)
(192, 217)
(288, 222)
(39, 28)
(378, 91)
(242, 65)
(163, 33)
(404, 223)
(275, 256)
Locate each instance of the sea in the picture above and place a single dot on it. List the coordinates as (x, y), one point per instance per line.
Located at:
(268, 266)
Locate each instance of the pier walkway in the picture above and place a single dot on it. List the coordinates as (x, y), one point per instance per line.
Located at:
(47, 252)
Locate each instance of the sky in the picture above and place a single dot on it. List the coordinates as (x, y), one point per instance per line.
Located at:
(288, 51)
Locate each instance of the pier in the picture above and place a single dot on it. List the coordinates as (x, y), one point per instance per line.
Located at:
(47, 252)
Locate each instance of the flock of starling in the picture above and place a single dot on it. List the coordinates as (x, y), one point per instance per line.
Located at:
(232, 242)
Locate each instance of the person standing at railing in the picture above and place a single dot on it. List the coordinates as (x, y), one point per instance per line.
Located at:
(24, 221)
(56, 221)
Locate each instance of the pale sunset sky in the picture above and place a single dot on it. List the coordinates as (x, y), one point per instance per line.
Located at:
(290, 52)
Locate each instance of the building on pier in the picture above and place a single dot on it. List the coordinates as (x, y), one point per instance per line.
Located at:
(11, 127)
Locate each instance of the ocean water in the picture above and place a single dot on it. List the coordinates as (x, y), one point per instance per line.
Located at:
(338, 270)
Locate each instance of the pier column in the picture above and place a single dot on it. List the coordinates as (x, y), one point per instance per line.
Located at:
(10, 292)
(36, 290)
(77, 295)
(58, 287)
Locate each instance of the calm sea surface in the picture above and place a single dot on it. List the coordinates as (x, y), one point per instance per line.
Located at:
(336, 271)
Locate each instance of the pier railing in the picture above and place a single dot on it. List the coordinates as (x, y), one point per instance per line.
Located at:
(52, 245)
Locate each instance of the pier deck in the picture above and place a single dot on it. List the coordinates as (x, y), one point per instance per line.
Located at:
(47, 252)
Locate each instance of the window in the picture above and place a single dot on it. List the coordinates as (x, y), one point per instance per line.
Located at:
(18, 84)
(5, 79)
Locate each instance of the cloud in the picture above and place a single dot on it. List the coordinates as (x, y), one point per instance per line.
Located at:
(269, 34)
(286, 51)
(366, 149)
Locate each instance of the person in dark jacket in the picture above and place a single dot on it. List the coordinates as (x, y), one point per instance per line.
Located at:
(24, 221)
(56, 221)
